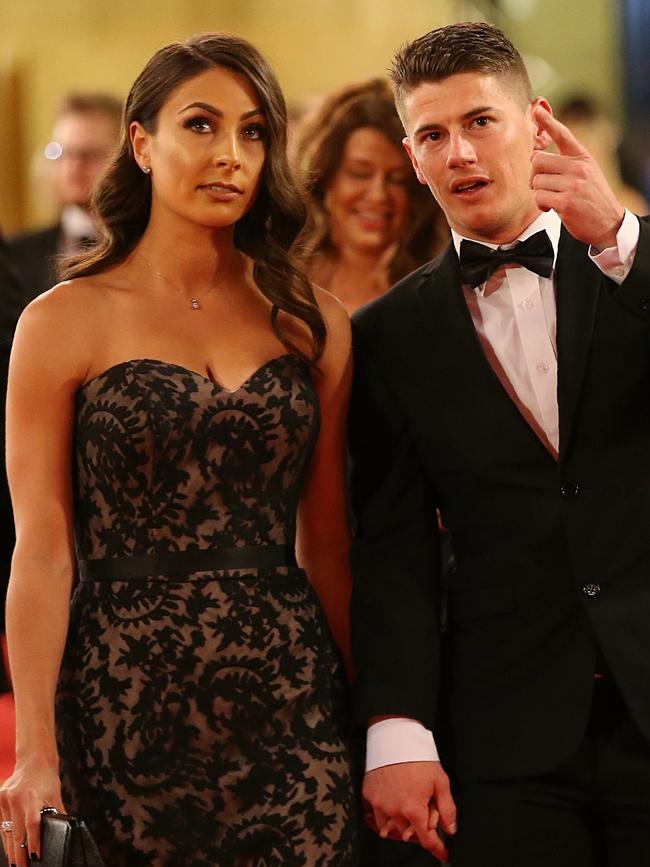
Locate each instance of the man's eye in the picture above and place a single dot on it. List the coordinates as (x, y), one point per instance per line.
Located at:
(482, 121)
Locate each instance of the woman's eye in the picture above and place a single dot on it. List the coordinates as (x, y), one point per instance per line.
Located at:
(198, 124)
(255, 132)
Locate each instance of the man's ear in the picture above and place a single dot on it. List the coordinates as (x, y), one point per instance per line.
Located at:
(140, 143)
(409, 150)
(542, 138)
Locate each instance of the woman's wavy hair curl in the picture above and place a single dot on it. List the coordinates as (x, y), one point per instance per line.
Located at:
(319, 151)
(266, 233)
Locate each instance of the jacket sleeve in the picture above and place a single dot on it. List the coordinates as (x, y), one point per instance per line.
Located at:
(634, 291)
(395, 557)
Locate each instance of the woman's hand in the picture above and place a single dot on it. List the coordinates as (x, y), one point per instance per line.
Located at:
(32, 786)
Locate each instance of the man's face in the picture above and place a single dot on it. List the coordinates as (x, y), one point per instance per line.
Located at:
(470, 139)
(88, 141)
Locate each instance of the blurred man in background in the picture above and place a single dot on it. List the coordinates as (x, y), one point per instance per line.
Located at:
(85, 136)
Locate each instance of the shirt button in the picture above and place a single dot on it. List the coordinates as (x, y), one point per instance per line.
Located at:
(619, 272)
(543, 367)
(528, 303)
(591, 589)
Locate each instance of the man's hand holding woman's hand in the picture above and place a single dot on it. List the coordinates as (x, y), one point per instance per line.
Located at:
(412, 798)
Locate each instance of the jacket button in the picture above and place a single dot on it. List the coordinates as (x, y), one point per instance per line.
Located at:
(645, 305)
(570, 491)
(591, 589)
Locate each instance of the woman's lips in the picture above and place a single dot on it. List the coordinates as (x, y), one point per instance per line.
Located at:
(371, 221)
(221, 192)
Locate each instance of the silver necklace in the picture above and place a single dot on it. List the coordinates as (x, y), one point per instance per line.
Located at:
(193, 299)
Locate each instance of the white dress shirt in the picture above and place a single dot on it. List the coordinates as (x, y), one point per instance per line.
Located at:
(76, 225)
(515, 316)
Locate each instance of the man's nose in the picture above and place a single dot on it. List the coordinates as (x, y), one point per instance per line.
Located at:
(461, 151)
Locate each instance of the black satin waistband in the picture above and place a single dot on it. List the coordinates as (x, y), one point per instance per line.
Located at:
(142, 566)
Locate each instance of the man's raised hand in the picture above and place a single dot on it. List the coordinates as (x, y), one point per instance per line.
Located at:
(573, 185)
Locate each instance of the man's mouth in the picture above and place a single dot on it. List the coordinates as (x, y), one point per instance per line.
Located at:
(468, 186)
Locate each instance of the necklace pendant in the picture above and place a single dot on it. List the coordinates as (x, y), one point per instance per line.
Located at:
(195, 304)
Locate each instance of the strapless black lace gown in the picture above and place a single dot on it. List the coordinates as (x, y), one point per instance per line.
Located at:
(200, 713)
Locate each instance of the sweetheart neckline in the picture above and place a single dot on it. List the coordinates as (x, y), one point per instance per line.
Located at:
(213, 382)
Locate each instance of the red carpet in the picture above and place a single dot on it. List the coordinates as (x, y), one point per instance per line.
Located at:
(7, 724)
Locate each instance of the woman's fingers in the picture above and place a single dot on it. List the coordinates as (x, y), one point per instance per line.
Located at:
(33, 835)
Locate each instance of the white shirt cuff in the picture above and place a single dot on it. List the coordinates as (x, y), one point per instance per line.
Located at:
(397, 740)
(616, 262)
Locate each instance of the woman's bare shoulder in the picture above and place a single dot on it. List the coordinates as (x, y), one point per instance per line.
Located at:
(62, 324)
(335, 360)
(334, 313)
(80, 297)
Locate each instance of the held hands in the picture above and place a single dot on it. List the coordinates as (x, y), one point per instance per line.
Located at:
(572, 184)
(412, 798)
(22, 797)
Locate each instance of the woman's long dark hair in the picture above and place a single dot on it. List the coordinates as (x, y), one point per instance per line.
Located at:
(319, 151)
(122, 201)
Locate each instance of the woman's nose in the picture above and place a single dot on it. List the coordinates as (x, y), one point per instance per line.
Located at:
(377, 188)
(227, 153)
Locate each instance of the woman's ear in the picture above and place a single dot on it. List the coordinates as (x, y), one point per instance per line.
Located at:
(542, 138)
(140, 144)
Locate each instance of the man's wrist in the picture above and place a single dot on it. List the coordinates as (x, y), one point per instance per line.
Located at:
(396, 740)
(610, 239)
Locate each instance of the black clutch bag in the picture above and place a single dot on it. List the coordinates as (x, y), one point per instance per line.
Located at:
(65, 842)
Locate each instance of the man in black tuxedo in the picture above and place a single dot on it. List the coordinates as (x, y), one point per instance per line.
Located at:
(86, 133)
(507, 383)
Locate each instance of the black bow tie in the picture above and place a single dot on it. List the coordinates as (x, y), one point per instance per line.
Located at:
(478, 262)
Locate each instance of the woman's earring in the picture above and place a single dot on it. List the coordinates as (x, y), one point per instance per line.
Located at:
(146, 169)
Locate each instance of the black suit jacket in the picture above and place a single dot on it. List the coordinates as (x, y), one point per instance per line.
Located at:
(34, 255)
(552, 558)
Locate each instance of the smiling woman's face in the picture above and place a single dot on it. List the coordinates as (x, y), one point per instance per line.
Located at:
(207, 152)
(367, 200)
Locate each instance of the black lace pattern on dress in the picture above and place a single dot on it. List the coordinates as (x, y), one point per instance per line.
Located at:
(201, 721)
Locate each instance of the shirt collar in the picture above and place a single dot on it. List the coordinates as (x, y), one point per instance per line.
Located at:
(76, 223)
(548, 220)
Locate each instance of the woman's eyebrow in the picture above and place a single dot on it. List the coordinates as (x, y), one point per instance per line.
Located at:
(217, 111)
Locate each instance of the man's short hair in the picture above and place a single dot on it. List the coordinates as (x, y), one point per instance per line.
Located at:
(464, 47)
(91, 103)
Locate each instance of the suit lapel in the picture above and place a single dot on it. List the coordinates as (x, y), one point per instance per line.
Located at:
(457, 345)
(578, 284)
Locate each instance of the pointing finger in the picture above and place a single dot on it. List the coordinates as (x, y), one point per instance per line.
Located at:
(567, 144)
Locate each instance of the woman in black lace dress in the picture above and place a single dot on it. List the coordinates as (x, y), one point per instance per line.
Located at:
(200, 387)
